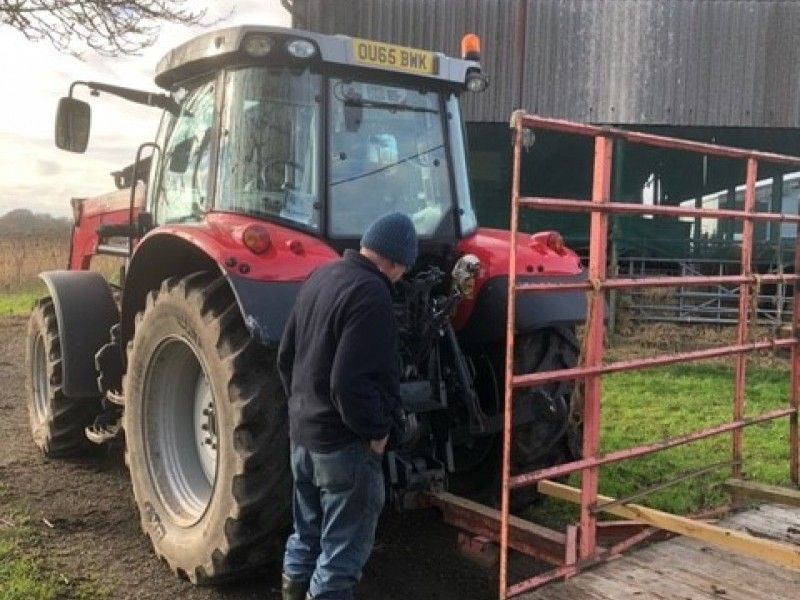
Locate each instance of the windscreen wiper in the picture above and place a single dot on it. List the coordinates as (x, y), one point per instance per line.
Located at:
(390, 106)
(389, 166)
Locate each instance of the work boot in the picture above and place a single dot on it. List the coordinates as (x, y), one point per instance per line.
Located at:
(293, 589)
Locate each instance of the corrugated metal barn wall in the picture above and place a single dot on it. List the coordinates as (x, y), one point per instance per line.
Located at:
(718, 63)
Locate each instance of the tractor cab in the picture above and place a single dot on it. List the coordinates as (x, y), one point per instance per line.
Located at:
(317, 133)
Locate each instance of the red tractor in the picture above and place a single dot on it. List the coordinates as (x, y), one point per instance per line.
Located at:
(277, 147)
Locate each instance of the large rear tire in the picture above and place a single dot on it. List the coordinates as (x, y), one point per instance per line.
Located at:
(206, 431)
(551, 437)
(57, 421)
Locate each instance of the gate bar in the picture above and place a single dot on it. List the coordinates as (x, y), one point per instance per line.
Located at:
(650, 139)
(794, 393)
(563, 469)
(656, 282)
(505, 476)
(593, 356)
(663, 485)
(740, 362)
(624, 208)
(644, 363)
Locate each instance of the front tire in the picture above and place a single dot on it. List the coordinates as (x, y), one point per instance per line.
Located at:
(206, 430)
(57, 421)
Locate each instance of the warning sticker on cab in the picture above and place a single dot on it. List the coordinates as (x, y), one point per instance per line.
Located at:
(389, 56)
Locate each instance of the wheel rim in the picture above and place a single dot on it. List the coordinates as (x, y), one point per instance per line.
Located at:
(180, 430)
(39, 379)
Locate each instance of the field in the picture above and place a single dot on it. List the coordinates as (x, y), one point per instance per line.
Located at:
(24, 255)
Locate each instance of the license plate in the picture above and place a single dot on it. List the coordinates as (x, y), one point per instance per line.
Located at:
(398, 58)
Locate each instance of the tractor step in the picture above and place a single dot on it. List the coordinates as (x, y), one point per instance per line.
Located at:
(106, 426)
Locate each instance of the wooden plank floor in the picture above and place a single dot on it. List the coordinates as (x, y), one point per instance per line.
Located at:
(685, 569)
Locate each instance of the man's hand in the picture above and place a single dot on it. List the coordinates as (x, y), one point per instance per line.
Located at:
(378, 446)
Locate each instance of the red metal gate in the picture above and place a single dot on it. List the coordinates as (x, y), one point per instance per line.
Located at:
(592, 367)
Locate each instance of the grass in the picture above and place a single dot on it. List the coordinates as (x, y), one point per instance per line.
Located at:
(19, 303)
(21, 576)
(646, 406)
(24, 572)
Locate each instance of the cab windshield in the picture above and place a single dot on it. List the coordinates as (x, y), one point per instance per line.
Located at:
(387, 153)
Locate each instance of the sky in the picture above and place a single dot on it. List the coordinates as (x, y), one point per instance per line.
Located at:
(36, 175)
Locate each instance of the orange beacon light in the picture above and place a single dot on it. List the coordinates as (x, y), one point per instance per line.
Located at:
(470, 47)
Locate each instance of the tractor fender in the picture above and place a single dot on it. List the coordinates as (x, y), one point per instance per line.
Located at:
(486, 322)
(483, 319)
(265, 306)
(265, 286)
(86, 311)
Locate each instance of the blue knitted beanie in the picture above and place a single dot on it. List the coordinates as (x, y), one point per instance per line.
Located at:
(393, 236)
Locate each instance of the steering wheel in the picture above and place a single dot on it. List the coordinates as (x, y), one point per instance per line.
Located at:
(280, 182)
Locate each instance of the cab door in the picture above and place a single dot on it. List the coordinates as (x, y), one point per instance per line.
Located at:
(182, 187)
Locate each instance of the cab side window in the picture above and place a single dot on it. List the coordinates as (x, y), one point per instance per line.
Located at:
(184, 183)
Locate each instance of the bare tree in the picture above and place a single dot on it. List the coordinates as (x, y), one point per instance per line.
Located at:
(110, 28)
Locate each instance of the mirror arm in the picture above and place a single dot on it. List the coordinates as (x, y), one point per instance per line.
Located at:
(138, 96)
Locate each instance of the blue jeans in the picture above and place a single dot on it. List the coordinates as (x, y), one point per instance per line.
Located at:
(338, 497)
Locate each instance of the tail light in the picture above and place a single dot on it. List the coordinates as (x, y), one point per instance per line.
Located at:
(551, 240)
(555, 242)
(256, 239)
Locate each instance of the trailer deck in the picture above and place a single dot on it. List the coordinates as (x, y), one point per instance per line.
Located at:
(687, 569)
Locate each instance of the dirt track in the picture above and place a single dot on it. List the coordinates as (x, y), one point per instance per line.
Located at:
(96, 527)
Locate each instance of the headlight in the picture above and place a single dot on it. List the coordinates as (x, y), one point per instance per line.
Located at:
(301, 48)
(477, 82)
(257, 46)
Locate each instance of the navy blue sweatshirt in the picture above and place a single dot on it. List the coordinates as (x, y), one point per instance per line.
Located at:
(337, 358)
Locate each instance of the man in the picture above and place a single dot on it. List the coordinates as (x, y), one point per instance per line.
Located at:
(337, 361)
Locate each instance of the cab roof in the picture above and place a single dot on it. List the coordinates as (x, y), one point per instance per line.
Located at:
(213, 50)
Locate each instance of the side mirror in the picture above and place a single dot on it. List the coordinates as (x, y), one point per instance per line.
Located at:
(73, 120)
